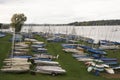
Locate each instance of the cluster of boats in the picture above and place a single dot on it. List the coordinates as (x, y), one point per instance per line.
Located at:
(17, 62)
(21, 61)
(95, 60)
(108, 45)
(43, 61)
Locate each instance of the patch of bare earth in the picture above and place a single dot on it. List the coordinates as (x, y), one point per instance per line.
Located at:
(106, 75)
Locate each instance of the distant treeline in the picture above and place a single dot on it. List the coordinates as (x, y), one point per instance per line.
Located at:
(84, 23)
(94, 23)
(45, 24)
(4, 26)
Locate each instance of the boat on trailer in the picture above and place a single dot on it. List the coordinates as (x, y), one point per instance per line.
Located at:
(53, 70)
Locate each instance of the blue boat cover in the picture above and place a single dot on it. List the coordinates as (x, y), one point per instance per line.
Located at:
(111, 62)
(43, 59)
(69, 46)
(21, 56)
(86, 47)
(97, 51)
(108, 59)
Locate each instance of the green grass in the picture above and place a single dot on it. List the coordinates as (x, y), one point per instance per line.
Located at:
(75, 70)
(114, 54)
(4, 48)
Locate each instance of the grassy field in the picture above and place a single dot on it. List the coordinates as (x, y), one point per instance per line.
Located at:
(4, 48)
(75, 70)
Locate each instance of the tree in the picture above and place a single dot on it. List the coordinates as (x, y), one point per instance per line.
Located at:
(17, 21)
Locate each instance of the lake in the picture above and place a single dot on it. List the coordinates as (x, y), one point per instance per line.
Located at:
(111, 33)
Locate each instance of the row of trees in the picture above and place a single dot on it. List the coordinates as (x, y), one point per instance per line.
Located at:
(85, 23)
(18, 20)
(93, 23)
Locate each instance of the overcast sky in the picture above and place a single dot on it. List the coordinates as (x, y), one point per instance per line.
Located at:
(60, 11)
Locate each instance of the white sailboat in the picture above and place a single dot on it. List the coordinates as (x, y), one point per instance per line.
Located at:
(41, 62)
(15, 59)
(106, 47)
(18, 63)
(31, 40)
(15, 69)
(45, 56)
(37, 42)
(50, 70)
(109, 70)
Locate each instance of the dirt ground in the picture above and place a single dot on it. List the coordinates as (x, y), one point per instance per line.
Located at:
(106, 75)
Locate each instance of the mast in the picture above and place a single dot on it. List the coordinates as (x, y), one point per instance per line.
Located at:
(13, 42)
(30, 31)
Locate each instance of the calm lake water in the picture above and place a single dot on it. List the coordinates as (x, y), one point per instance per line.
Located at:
(111, 33)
